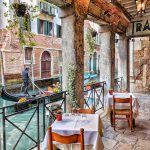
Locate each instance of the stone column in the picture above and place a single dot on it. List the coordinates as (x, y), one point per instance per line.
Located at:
(122, 62)
(107, 52)
(73, 51)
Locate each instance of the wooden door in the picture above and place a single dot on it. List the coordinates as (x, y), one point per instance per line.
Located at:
(46, 65)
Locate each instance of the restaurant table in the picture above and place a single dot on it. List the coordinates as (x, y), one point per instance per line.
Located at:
(109, 103)
(71, 124)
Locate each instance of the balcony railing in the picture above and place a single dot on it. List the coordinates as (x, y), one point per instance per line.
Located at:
(47, 8)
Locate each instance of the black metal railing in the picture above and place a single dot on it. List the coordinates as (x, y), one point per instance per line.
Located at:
(118, 84)
(94, 95)
(36, 120)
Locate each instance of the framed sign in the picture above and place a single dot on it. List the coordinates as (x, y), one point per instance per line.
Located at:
(139, 27)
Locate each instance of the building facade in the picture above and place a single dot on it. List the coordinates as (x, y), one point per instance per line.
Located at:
(44, 59)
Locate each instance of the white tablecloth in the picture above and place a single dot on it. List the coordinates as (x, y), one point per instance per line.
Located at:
(109, 102)
(71, 125)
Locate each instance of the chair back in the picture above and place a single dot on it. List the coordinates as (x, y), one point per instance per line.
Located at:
(127, 112)
(75, 138)
(122, 100)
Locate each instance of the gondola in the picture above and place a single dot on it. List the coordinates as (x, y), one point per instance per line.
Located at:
(8, 97)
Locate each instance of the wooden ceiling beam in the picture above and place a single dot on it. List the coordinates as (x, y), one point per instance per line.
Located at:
(113, 20)
(60, 3)
(122, 8)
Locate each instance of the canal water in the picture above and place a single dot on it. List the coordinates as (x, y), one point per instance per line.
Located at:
(21, 120)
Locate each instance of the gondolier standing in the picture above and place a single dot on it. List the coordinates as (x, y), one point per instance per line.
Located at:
(25, 78)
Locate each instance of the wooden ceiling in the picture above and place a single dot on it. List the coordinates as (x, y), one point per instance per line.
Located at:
(130, 7)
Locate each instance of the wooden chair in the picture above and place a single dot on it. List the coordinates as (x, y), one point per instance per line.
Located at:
(86, 111)
(122, 112)
(75, 138)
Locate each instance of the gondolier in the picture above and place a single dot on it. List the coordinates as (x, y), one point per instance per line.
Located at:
(25, 78)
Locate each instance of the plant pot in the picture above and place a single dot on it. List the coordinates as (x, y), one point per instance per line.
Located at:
(111, 92)
(88, 87)
(20, 9)
(94, 33)
(58, 117)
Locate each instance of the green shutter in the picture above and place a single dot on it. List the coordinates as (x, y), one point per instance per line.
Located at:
(38, 25)
(48, 27)
(45, 27)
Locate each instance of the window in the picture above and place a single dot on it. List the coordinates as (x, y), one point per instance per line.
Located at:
(28, 55)
(45, 27)
(59, 31)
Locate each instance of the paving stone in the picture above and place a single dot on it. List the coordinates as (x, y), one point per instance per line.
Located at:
(109, 143)
(122, 146)
(128, 139)
(110, 135)
(122, 138)
(142, 145)
(138, 134)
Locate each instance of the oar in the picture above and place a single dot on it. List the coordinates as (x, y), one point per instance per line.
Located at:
(37, 87)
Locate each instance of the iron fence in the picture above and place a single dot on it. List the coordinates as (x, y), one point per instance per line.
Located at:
(94, 95)
(33, 118)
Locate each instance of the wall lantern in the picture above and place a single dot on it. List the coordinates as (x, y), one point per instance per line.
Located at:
(140, 4)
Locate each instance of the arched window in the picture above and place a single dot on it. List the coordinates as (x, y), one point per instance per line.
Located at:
(45, 65)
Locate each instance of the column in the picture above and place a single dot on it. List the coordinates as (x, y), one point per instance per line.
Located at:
(122, 61)
(107, 57)
(73, 52)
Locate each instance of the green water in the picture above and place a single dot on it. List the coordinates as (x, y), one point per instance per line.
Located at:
(21, 120)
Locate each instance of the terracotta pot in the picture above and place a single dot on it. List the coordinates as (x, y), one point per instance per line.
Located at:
(58, 117)
(111, 92)
(88, 87)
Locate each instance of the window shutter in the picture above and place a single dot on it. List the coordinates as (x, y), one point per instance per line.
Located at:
(48, 27)
(38, 25)
(45, 27)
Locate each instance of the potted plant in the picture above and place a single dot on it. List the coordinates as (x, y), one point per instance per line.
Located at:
(20, 9)
(94, 33)
(19, 22)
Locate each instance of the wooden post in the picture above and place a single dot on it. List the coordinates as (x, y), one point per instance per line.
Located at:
(112, 39)
(2, 68)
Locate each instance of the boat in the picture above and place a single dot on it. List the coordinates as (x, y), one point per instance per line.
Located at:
(8, 97)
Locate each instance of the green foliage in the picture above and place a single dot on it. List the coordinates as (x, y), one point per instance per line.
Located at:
(20, 26)
(90, 40)
(71, 85)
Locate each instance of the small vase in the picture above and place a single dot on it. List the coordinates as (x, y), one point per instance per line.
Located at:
(58, 117)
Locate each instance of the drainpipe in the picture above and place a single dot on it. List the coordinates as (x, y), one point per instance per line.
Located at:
(32, 71)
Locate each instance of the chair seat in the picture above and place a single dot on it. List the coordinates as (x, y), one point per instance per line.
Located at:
(122, 112)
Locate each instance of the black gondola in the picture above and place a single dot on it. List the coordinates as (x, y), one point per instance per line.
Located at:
(8, 97)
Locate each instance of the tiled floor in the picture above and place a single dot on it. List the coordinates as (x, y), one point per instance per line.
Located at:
(122, 138)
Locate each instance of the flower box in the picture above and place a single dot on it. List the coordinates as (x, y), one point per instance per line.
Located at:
(21, 106)
(56, 96)
(92, 86)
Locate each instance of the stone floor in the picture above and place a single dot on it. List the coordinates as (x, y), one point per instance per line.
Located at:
(122, 138)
